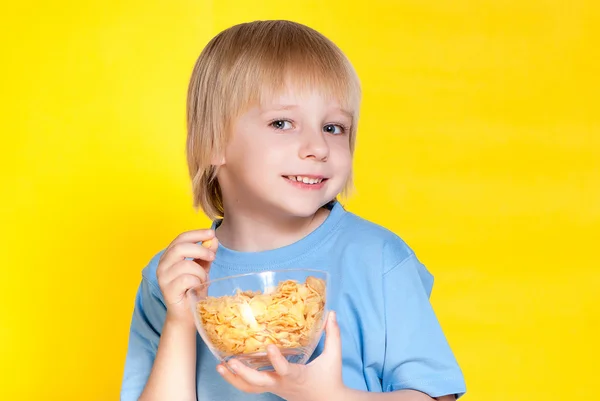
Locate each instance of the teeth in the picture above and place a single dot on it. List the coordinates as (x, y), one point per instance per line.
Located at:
(305, 180)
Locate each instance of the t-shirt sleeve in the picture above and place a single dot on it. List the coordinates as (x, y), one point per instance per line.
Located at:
(146, 324)
(417, 354)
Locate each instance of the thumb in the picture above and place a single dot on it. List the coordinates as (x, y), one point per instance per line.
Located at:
(333, 341)
(212, 245)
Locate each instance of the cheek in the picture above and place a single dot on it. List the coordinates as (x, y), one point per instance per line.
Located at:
(240, 149)
(250, 157)
(340, 155)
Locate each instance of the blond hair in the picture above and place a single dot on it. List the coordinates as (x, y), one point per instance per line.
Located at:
(239, 68)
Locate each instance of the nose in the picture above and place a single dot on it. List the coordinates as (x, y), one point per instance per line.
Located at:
(314, 146)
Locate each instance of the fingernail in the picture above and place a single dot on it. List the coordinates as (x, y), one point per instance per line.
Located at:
(332, 316)
(221, 370)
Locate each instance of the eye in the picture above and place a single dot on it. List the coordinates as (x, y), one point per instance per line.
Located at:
(335, 129)
(281, 124)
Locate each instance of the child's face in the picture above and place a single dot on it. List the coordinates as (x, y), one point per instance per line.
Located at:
(289, 156)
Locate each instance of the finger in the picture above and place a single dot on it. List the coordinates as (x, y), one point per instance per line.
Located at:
(236, 381)
(214, 244)
(211, 244)
(281, 365)
(183, 250)
(251, 376)
(194, 236)
(180, 285)
(333, 341)
(180, 268)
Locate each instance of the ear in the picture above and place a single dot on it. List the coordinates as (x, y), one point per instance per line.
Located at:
(217, 160)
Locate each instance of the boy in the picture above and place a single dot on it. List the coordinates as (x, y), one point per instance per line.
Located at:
(272, 115)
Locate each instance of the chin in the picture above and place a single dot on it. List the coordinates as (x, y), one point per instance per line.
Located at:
(302, 207)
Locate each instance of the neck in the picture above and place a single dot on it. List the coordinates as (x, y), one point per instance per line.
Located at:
(255, 232)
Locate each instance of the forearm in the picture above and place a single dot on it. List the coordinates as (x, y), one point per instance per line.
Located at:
(173, 375)
(402, 395)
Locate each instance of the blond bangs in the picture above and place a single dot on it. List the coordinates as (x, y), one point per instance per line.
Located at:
(245, 66)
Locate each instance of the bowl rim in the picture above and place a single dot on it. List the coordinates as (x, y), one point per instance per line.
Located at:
(235, 276)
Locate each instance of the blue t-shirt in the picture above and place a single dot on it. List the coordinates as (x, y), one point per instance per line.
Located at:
(391, 338)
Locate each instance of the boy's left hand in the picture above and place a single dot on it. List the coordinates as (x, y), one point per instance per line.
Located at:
(319, 380)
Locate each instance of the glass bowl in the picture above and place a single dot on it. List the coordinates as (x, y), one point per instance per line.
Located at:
(238, 316)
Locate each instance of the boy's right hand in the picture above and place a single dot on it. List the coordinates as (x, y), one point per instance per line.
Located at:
(176, 273)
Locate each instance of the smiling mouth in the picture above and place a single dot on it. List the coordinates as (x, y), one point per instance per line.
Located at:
(305, 179)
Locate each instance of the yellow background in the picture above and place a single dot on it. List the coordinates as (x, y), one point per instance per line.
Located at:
(479, 144)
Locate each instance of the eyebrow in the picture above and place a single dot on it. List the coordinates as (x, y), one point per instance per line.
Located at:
(278, 107)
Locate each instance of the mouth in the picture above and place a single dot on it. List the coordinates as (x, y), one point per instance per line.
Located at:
(306, 179)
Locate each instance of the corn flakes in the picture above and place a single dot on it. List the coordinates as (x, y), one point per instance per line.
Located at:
(249, 321)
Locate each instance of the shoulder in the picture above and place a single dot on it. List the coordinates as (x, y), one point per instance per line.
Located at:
(149, 275)
(375, 245)
(371, 237)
